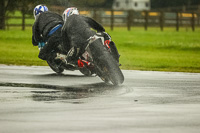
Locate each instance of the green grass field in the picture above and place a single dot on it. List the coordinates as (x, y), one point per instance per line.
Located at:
(156, 50)
(139, 49)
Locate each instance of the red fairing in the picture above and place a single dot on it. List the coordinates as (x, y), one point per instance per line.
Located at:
(80, 63)
(107, 42)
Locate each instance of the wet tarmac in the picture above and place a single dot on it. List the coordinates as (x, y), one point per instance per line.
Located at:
(36, 100)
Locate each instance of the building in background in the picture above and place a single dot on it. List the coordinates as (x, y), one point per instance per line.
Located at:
(137, 5)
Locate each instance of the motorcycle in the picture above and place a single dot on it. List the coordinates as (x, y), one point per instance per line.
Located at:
(100, 57)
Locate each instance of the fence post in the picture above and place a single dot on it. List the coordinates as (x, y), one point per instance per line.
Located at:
(2, 15)
(177, 21)
(129, 19)
(95, 14)
(112, 20)
(146, 16)
(193, 22)
(23, 21)
(161, 20)
(6, 24)
(198, 17)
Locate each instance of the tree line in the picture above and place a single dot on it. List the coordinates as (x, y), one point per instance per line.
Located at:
(26, 6)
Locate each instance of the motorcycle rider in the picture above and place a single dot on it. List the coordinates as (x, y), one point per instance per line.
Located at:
(77, 30)
(46, 31)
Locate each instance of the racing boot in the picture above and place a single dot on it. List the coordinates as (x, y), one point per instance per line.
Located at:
(73, 56)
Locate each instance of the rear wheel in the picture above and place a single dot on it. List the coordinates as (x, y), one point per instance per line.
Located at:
(55, 66)
(85, 71)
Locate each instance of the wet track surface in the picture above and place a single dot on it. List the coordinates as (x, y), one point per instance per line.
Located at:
(35, 100)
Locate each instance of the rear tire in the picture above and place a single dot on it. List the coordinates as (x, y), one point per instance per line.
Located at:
(55, 67)
(85, 71)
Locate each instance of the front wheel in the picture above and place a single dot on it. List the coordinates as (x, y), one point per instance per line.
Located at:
(107, 67)
(109, 70)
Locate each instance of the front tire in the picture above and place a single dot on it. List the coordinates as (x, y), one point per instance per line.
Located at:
(106, 66)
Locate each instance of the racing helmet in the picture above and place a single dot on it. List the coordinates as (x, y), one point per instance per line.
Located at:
(69, 11)
(38, 9)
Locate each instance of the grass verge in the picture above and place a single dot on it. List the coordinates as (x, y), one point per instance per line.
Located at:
(140, 50)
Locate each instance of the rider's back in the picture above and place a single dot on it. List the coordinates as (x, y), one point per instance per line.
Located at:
(77, 30)
(44, 23)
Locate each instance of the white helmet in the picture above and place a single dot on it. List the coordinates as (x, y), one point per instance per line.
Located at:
(38, 9)
(69, 11)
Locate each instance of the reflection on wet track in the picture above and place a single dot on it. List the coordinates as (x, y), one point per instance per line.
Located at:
(34, 99)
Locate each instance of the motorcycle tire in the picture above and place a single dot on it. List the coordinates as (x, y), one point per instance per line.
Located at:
(55, 67)
(85, 71)
(107, 67)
